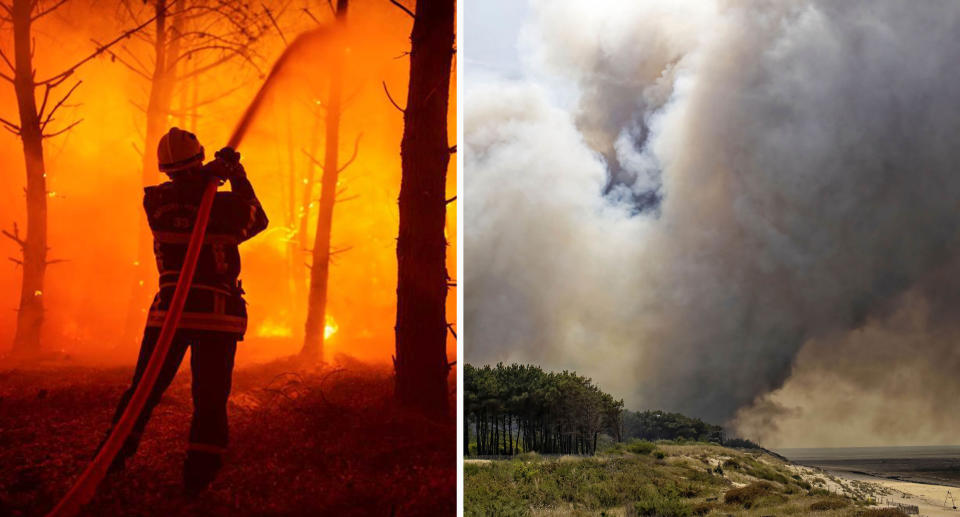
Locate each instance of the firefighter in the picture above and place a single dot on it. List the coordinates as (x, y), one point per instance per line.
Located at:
(215, 315)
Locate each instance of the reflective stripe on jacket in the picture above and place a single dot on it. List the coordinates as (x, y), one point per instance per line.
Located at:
(215, 301)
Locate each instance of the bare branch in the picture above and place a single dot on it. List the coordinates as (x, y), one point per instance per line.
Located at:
(59, 78)
(395, 105)
(15, 261)
(312, 159)
(312, 17)
(56, 261)
(115, 57)
(340, 250)
(46, 97)
(403, 8)
(62, 131)
(356, 147)
(349, 198)
(209, 100)
(453, 149)
(274, 22)
(135, 58)
(7, 77)
(10, 125)
(48, 10)
(15, 236)
(7, 60)
(450, 328)
(203, 69)
(451, 200)
(58, 105)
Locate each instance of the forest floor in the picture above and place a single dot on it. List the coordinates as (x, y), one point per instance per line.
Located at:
(668, 480)
(328, 442)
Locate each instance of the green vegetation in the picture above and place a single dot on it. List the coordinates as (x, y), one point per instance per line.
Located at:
(517, 408)
(629, 479)
(511, 409)
(660, 425)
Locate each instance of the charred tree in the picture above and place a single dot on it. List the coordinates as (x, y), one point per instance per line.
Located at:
(421, 327)
(32, 130)
(314, 329)
(26, 341)
(306, 205)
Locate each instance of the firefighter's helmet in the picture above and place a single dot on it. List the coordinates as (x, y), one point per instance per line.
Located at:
(179, 150)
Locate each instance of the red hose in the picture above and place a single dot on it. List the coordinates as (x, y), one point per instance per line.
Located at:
(86, 486)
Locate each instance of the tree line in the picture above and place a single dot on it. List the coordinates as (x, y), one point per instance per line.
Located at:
(509, 409)
(517, 408)
(661, 425)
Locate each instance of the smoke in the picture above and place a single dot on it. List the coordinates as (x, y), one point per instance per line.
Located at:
(752, 206)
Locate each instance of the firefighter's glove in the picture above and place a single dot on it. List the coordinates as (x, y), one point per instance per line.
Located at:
(226, 164)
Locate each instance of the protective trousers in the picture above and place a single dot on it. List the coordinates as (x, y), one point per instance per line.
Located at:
(211, 366)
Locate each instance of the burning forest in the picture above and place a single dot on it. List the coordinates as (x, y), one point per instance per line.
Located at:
(343, 114)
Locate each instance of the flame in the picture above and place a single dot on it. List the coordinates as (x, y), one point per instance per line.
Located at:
(270, 328)
(330, 328)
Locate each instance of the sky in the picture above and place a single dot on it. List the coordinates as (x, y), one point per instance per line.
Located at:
(491, 36)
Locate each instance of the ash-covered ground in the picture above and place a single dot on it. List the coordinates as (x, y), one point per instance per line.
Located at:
(330, 442)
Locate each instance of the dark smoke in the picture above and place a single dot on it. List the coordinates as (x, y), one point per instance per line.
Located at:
(806, 155)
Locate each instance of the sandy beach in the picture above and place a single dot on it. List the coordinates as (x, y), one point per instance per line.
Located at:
(926, 476)
(931, 499)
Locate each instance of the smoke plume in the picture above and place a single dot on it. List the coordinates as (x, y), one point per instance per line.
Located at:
(750, 212)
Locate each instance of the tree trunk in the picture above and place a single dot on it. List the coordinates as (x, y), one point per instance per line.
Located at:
(158, 109)
(313, 337)
(305, 210)
(421, 328)
(26, 340)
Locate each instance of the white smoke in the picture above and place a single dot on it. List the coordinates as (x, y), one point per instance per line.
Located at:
(739, 181)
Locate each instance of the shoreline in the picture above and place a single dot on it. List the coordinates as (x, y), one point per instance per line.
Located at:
(926, 494)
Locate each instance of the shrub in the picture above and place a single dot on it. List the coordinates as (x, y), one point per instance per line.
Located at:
(884, 512)
(660, 506)
(659, 455)
(748, 495)
(641, 447)
(828, 504)
(741, 443)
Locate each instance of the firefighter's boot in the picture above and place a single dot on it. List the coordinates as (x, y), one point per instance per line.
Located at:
(199, 470)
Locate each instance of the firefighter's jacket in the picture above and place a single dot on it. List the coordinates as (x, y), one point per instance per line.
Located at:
(215, 301)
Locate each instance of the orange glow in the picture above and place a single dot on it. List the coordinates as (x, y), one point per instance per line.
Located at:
(96, 185)
(270, 328)
(330, 328)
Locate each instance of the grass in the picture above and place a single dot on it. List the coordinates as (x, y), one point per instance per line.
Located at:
(307, 444)
(630, 479)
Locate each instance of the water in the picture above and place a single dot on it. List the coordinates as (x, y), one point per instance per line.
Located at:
(870, 453)
(926, 464)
